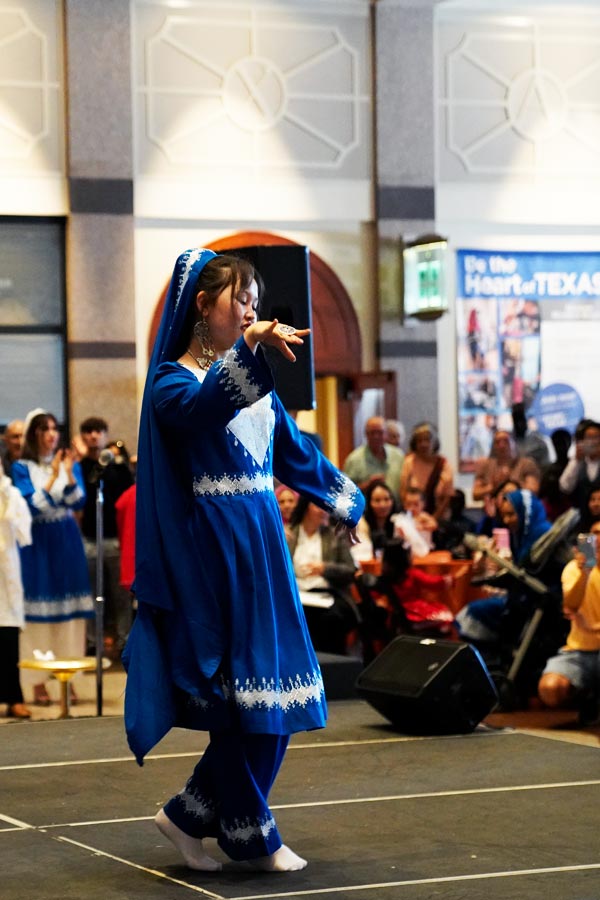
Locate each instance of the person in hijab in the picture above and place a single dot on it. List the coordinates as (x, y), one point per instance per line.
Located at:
(524, 515)
(220, 642)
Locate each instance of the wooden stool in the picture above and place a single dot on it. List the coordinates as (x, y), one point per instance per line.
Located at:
(63, 670)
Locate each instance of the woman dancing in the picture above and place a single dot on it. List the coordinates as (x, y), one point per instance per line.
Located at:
(220, 642)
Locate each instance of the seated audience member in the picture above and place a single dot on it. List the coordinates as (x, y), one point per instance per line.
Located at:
(116, 478)
(504, 464)
(324, 571)
(591, 512)
(525, 518)
(13, 445)
(583, 471)
(451, 531)
(573, 675)
(402, 600)
(415, 525)
(424, 468)
(529, 443)
(375, 460)
(15, 532)
(491, 518)
(376, 526)
(555, 502)
(395, 433)
(287, 500)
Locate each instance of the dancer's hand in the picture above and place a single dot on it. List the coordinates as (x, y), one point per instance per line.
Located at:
(275, 334)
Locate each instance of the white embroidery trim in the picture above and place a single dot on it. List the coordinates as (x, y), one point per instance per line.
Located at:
(245, 830)
(269, 693)
(197, 806)
(208, 485)
(193, 255)
(237, 379)
(49, 609)
(341, 500)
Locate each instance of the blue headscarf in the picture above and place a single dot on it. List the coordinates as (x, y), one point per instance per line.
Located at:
(532, 522)
(161, 502)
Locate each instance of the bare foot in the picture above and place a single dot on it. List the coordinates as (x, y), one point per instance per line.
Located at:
(283, 860)
(190, 848)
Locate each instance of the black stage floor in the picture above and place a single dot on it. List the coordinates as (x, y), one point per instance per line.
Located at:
(379, 816)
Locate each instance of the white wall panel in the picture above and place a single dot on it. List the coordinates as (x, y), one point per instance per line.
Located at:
(246, 109)
(32, 159)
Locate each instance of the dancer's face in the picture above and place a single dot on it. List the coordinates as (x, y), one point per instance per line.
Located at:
(231, 314)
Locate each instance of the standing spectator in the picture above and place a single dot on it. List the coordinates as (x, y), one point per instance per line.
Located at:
(395, 433)
(426, 469)
(375, 460)
(529, 443)
(582, 473)
(504, 464)
(15, 532)
(13, 445)
(116, 478)
(550, 493)
(55, 576)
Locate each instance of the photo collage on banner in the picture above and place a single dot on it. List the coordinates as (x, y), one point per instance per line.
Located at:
(528, 330)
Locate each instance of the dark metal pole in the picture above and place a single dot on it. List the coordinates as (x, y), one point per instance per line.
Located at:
(99, 605)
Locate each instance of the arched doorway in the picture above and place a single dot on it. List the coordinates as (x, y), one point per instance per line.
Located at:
(337, 342)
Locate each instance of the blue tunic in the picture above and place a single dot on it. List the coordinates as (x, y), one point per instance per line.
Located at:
(229, 434)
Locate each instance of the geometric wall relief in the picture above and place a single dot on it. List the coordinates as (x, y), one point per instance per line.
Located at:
(31, 115)
(253, 87)
(518, 97)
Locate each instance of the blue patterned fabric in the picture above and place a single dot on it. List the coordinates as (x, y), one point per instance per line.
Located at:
(220, 639)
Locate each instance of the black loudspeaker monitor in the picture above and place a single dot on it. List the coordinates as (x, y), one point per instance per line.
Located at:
(426, 686)
(285, 270)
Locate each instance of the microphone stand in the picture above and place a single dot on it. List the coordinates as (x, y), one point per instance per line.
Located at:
(99, 604)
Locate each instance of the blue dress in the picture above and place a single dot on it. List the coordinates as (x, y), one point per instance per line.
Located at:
(229, 434)
(54, 568)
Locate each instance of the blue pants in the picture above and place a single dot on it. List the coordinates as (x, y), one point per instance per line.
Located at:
(226, 797)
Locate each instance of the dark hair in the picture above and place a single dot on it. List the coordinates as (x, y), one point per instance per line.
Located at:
(501, 489)
(418, 429)
(41, 422)
(299, 510)
(581, 427)
(396, 560)
(414, 490)
(93, 423)
(368, 514)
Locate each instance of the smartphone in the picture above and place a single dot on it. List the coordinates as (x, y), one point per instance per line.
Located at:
(586, 544)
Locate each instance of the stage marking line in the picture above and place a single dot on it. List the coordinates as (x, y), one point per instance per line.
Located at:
(443, 880)
(128, 862)
(345, 802)
(196, 753)
(17, 822)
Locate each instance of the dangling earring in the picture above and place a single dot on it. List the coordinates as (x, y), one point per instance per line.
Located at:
(202, 335)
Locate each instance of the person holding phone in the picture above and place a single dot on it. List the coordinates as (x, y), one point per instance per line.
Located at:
(573, 675)
(55, 574)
